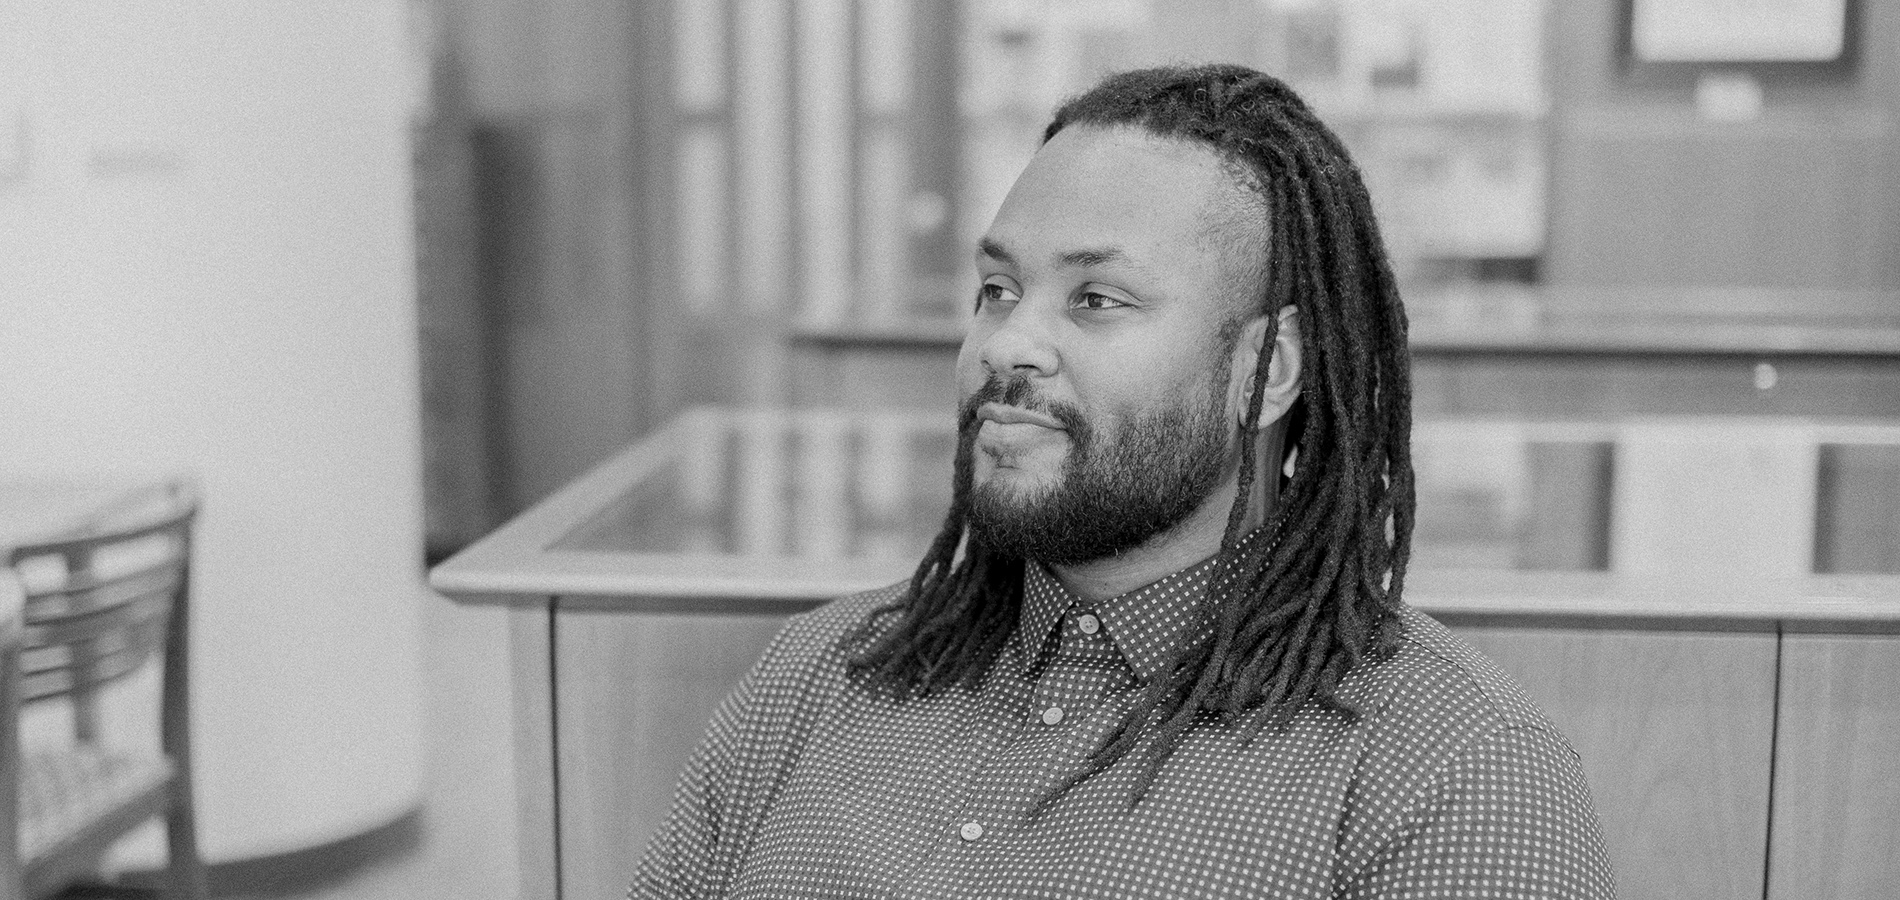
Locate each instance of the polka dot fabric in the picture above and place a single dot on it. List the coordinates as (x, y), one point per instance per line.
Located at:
(1452, 785)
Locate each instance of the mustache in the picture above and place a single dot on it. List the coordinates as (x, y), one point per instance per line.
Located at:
(1015, 390)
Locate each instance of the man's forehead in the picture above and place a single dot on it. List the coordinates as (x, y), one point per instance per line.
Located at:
(1096, 195)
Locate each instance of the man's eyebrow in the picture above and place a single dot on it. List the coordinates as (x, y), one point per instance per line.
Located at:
(1083, 258)
(1090, 257)
(994, 250)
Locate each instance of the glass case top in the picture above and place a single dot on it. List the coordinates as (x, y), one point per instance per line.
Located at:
(1776, 497)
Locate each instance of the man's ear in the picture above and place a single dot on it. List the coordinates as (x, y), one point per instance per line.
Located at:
(1283, 370)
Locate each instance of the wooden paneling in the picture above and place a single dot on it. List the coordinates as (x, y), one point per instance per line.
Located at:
(1837, 769)
(635, 693)
(528, 654)
(1674, 729)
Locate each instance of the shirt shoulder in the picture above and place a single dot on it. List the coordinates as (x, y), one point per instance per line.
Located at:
(1435, 681)
(1466, 786)
(815, 641)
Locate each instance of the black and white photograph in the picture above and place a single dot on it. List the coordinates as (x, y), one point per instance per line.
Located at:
(931, 449)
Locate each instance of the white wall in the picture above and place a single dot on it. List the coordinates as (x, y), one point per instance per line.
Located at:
(206, 263)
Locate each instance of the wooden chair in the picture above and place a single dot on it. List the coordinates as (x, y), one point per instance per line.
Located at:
(97, 606)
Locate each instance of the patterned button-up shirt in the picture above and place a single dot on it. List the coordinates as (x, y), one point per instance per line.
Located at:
(1452, 783)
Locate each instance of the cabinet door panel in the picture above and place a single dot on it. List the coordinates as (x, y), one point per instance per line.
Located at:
(1837, 769)
(633, 695)
(1675, 732)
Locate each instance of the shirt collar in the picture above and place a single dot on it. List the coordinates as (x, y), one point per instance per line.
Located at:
(1144, 624)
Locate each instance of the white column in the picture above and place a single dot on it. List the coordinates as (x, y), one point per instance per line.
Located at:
(208, 266)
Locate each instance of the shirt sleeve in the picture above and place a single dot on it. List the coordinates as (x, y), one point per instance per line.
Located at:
(754, 740)
(1512, 817)
(682, 858)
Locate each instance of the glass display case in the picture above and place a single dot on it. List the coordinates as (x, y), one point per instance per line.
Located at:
(1755, 516)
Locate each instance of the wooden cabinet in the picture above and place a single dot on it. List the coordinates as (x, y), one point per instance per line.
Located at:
(1675, 729)
(1682, 734)
(645, 590)
(1718, 759)
(634, 693)
(1836, 826)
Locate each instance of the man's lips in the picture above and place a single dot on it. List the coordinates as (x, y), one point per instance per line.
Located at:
(1016, 415)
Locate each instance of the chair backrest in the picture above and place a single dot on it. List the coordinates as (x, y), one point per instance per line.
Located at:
(98, 602)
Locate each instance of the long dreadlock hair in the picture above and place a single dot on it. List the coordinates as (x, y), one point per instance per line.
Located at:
(1291, 610)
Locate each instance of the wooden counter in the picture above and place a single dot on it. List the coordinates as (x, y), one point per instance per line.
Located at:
(1667, 588)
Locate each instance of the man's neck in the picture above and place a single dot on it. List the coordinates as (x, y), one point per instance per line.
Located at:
(1195, 539)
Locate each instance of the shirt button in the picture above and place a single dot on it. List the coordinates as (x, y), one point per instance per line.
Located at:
(1052, 715)
(970, 831)
(1089, 624)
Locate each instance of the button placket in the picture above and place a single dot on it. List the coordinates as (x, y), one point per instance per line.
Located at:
(1006, 704)
(1060, 698)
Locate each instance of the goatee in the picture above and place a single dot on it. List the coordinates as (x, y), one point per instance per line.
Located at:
(1117, 490)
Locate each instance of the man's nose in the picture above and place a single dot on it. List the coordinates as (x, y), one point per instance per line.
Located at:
(1021, 345)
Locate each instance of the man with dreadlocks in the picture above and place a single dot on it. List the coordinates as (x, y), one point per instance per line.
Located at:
(1158, 648)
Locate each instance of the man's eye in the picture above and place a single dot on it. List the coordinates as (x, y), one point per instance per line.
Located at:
(1093, 300)
(993, 293)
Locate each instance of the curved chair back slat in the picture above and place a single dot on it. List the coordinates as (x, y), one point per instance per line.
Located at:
(103, 649)
(101, 622)
(91, 593)
(97, 603)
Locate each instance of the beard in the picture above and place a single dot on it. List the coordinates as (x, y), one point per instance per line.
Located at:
(1116, 491)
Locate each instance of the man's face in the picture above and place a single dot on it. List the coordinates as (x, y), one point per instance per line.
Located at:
(1095, 375)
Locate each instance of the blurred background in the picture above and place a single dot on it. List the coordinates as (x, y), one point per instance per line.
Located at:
(381, 275)
(790, 189)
